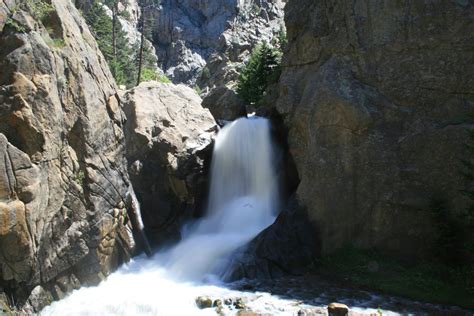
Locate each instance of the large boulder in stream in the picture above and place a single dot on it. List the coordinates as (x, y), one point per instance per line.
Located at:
(169, 137)
(63, 171)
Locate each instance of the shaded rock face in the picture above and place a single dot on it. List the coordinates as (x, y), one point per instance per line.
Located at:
(285, 247)
(169, 137)
(188, 32)
(63, 171)
(224, 104)
(375, 95)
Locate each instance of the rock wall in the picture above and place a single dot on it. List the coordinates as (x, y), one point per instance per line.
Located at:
(63, 171)
(189, 34)
(169, 147)
(375, 96)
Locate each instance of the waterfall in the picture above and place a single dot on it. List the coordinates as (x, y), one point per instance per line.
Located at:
(243, 200)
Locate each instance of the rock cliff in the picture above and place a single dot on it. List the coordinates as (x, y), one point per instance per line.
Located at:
(63, 170)
(190, 34)
(169, 147)
(375, 96)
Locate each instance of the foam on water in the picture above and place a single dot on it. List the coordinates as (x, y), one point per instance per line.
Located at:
(243, 201)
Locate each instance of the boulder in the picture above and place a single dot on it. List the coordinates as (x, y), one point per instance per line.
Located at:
(224, 104)
(203, 302)
(169, 145)
(338, 309)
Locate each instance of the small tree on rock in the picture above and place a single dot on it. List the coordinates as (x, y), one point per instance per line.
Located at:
(262, 68)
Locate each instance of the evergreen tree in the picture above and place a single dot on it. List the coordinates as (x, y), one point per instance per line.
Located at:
(112, 42)
(101, 27)
(145, 26)
(262, 68)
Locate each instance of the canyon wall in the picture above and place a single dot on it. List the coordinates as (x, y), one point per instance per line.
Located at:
(190, 34)
(376, 97)
(63, 170)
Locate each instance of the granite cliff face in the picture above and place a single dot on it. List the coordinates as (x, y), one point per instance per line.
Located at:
(190, 34)
(375, 96)
(169, 146)
(63, 171)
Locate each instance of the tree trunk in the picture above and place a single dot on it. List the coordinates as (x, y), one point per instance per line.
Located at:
(114, 29)
(142, 43)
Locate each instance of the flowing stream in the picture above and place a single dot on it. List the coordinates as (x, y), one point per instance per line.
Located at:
(243, 201)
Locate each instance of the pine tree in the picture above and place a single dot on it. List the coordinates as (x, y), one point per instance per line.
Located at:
(101, 27)
(262, 68)
(145, 26)
(112, 42)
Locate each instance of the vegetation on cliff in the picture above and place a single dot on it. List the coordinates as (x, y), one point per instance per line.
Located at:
(262, 69)
(126, 60)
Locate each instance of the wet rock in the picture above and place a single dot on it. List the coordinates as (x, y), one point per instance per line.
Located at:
(217, 303)
(287, 246)
(239, 303)
(169, 141)
(4, 307)
(222, 310)
(351, 313)
(338, 309)
(39, 298)
(311, 312)
(203, 302)
(251, 313)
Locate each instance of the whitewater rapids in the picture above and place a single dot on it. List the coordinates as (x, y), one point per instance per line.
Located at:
(243, 200)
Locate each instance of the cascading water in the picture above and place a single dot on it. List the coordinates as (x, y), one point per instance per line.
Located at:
(243, 201)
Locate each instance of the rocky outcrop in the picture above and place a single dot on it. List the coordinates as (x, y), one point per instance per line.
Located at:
(284, 248)
(225, 104)
(63, 171)
(189, 34)
(375, 96)
(169, 137)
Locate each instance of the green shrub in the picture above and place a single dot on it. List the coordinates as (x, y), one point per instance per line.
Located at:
(80, 177)
(148, 74)
(262, 68)
(205, 73)
(163, 78)
(15, 25)
(56, 42)
(38, 8)
(197, 89)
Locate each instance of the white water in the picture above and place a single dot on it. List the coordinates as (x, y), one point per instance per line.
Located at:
(243, 201)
